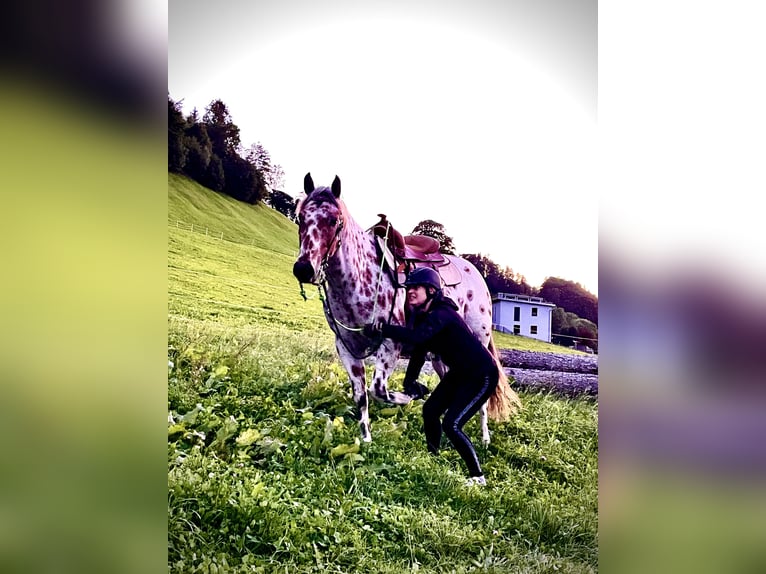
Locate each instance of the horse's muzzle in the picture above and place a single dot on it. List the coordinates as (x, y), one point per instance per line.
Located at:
(303, 271)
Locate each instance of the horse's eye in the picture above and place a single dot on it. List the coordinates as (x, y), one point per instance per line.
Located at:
(332, 221)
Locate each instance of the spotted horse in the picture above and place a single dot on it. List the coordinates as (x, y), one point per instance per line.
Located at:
(356, 275)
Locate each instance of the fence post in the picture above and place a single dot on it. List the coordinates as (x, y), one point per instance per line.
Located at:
(206, 231)
(192, 227)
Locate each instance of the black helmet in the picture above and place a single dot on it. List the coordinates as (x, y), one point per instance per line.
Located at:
(423, 276)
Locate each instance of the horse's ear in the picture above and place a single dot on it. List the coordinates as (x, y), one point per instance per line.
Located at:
(336, 187)
(308, 183)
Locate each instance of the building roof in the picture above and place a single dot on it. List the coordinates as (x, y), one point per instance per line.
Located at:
(528, 299)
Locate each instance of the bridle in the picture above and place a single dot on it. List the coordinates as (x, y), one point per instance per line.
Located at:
(335, 324)
(334, 244)
(331, 251)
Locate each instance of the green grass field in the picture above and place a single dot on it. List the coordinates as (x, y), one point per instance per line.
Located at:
(265, 469)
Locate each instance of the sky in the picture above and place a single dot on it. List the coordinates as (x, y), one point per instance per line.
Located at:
(478, 115)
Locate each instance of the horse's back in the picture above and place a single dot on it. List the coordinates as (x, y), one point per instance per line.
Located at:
(472, 297)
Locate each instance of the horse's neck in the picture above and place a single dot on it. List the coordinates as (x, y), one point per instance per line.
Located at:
(352, 274)
(356, 255)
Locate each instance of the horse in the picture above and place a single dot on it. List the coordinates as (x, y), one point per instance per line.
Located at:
(358, 286)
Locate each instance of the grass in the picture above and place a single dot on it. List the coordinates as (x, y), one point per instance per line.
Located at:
(519, 343)
(265, 469)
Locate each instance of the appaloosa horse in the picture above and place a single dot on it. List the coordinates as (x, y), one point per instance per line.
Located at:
(359, 287)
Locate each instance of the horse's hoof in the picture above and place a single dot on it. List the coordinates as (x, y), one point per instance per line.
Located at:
(398, 398)
(392, 398)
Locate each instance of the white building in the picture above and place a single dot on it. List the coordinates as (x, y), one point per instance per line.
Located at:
(522, 315)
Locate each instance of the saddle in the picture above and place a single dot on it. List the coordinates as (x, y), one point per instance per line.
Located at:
(407, 252)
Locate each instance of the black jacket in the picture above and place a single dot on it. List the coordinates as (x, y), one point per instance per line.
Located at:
(443, 332)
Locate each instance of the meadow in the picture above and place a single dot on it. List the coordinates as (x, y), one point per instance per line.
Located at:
(266, 472)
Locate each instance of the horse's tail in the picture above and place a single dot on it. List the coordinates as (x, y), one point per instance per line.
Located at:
(504, 402)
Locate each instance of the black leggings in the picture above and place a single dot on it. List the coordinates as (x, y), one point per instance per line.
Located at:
(460, 396)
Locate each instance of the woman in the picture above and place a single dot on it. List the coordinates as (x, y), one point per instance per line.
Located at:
(435, 326)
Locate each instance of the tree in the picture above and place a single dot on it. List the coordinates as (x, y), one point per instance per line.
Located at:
(587, 333)
(571, 296)
(198, 149)
(224, 134)
(276, 178)
(559, 322)
(499, 280)
(273, 175)
(259, 156)
(436, 230)
(215, 177)
(210, 152)
(243, 181)
(177, 152)
(567, 329)
(283, 203)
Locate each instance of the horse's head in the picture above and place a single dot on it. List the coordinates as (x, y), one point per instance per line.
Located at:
(320, 221)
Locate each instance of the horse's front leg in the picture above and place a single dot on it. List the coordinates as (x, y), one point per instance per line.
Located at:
(355, 369)
(385, 363)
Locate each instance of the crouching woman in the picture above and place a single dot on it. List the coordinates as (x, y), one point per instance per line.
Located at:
(435, 326)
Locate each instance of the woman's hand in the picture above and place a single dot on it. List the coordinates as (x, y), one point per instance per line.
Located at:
(416, 390)
(373, 330)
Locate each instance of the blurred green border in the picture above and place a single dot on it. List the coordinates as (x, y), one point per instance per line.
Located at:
(84, 211)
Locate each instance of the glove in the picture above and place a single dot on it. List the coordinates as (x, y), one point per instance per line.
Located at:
(372, 331)
(416, 390)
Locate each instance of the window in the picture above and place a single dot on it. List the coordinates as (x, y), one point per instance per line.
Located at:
(533, 329)
(517, 329)
(534, 311)
(517, 313)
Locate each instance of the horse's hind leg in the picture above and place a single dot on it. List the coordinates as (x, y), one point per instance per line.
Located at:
(484, 425)
(355, 369)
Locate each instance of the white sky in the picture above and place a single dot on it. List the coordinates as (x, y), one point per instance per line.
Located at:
(472, 118)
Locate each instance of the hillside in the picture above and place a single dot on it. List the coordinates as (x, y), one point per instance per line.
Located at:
(259, 225)
(231, 263)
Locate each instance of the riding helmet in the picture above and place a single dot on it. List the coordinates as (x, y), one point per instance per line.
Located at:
(423, 276)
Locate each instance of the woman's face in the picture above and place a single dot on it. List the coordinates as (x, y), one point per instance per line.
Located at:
(416, 295)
